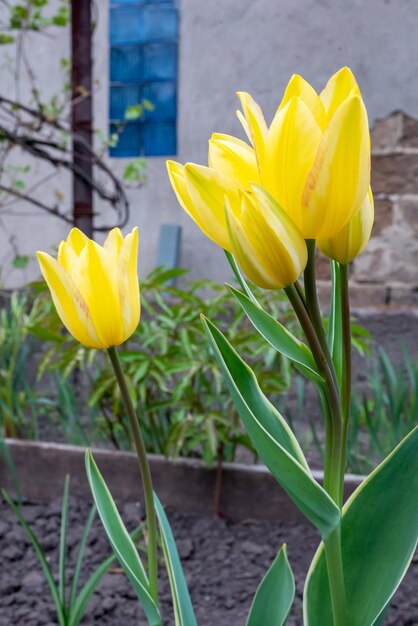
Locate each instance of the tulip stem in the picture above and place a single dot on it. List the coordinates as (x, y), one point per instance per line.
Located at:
(145, 474)
(346, 364)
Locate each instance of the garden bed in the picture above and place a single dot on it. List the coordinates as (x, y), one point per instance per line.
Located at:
(223, 563)
(186, 485)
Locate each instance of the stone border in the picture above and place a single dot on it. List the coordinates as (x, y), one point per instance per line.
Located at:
(186, 485)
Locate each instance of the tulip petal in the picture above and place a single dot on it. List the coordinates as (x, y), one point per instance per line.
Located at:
(266, 244)
(299, 87)
(207, 189)
(128, 283)
(178, 182)
(77, 240)
(233, 157)
(340, 176)
(256, 125)
(346, 245)
(291, 147)
(113, 243)
(340, 86)
(70, 305)
(96, 278)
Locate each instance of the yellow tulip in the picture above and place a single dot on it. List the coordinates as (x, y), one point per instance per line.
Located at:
(353, 237)
(95, 288)
(314, 160)
(265, 242)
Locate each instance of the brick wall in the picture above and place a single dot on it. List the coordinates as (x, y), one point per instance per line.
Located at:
(386, 274)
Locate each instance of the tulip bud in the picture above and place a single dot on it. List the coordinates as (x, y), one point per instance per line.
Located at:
(95, 288)
(353, 237)
(267, 245)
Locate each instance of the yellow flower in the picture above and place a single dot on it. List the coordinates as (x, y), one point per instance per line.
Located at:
(314, 160)
(265, 241)
(95, 288)
(353, 237)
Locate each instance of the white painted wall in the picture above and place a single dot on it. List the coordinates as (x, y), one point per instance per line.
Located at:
(230, 45)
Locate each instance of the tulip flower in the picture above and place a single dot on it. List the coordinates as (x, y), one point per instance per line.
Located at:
(314, 160)
(353, 237)
(95, 288)
(265, 242)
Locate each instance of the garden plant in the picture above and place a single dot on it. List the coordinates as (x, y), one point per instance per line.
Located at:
(302, 183)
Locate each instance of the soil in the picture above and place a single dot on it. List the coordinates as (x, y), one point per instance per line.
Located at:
(223, 563)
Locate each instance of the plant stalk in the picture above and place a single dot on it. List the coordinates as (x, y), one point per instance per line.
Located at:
(333, 557)
(145, 474)
(346, 365)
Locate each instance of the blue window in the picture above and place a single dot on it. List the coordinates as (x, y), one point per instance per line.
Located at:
(143, 68)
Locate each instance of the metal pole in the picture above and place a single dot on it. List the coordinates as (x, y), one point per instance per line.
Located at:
(82, 113)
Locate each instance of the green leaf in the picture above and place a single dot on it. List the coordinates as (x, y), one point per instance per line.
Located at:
(334, 330)
(121, 542)
(42, 558)
(63, 541)
(277, 335)
(79, 559)
(274, 596)
(271, 436)
(183, 609)
(77, 610)
(379, 537)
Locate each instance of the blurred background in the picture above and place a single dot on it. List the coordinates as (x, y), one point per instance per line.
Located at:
(134, 83)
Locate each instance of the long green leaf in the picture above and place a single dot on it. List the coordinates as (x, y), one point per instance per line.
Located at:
(379, 537)
(183, 609)
(79, 606)
(121, 542)
(277, 335)
(79, 560)
(42, 558)
(274, 597)
(63, 541)
(272, 437)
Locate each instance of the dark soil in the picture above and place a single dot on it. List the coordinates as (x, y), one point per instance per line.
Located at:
(223, 562)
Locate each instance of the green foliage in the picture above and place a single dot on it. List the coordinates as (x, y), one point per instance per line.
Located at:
(274, 596)
(70, 602)
(385, 412)
(181, 399)
(121, 541)
(379, 537)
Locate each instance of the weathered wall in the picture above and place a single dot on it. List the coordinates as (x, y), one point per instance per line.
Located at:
(230, 45)
(387, 271)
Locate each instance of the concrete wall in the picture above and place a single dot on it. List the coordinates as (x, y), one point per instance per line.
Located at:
(230, 45)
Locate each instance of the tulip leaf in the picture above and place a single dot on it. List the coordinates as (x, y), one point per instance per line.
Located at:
(183, 609)
(272, 437)
(379, 536)
(274, 596)
(122, 544)
(278, 336)
(334, 330)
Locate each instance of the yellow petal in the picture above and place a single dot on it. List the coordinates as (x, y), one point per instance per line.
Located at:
(207, 190)
(256, 125)
(97, 280)
(113, 243)
(70, 305)
(127, 277)
(178, 183)
(291, 147)
(267, 245)
(299, 87)
(340, 86)
(233, 157)
(353, 237)
(77, 240)
(340, 176)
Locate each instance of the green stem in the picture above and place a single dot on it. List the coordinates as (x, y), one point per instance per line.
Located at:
(333, 557)
(346, 364)
(145, 474)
